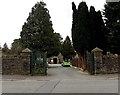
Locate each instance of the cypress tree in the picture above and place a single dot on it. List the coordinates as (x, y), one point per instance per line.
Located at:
(97, 30)
(88, 29)
(74, 22)
(92, 20)
(82, 27)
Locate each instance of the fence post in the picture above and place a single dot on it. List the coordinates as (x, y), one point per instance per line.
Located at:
(97, 52)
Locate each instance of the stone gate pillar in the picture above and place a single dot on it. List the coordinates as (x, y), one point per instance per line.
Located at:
(26, 53)
(97, 58)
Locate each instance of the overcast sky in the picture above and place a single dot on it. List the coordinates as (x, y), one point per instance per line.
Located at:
(13, 14)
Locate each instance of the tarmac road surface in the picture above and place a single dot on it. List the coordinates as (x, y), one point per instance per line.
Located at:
(61, 80)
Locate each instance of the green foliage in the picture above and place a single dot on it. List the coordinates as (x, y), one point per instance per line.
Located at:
(88, 29)
(74, 29)
(112, 21)
(0, 47)
(38, 71)
(97, 29)
(16, 48)
(80, 31)
(37, 33)
(5, 49)
(55, 47)
(67, 49)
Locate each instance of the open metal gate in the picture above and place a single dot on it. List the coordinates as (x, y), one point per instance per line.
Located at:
(38, 64)
(90, 63)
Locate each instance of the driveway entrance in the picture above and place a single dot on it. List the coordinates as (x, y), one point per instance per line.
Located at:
(61, 80)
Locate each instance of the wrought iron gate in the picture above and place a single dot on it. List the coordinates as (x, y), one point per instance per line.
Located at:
(38, 64)
(90, 63)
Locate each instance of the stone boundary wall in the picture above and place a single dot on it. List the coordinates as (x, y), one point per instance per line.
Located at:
(109, 64)
(16, 65)
(105, 64)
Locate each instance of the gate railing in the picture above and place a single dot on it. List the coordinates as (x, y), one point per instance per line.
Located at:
(90, 63)
(38, 64)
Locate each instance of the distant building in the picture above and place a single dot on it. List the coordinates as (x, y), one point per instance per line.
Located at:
(56, 59)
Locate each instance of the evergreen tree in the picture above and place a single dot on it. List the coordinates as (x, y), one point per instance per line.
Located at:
(55, 47)
(37, 33)
(67, 49)
(0, 47)
(88, 29)
(16, 47)
(5, 49)
(74, 22)
(80, 31)
(93, 30)
(97, 29)
(112, 20)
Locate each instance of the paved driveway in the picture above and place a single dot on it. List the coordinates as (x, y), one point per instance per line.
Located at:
(61, 80)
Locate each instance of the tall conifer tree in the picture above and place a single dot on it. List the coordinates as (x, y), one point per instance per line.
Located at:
(74, 22)
(37, 33)
(88, 29)
(81, 34)
(67, 49)
(97, 29)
